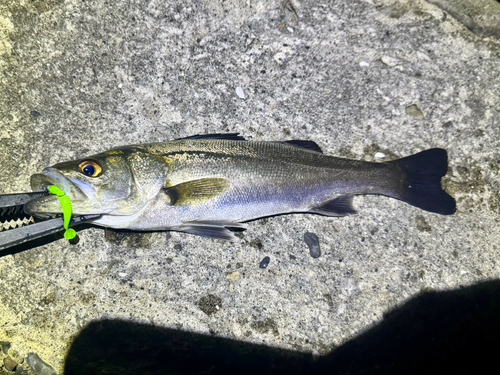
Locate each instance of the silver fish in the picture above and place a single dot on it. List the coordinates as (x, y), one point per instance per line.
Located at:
(208, 185)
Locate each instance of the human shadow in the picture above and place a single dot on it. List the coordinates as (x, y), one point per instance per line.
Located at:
(456, 331)
(433, 333)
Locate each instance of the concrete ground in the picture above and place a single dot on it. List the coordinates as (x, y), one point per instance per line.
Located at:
(365, 79)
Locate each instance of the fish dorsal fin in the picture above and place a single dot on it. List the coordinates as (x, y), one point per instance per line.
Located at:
(227, 136)
(340, 206)
(196, 191)
(308, 145)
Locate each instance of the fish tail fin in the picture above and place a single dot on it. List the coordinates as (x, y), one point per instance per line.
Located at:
(422, 187)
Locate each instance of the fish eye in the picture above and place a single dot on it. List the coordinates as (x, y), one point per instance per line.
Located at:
(90, 168)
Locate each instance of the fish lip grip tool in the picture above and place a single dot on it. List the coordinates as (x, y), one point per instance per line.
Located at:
(19, 232)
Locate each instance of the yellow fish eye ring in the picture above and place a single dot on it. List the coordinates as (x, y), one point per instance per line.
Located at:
(90, 168)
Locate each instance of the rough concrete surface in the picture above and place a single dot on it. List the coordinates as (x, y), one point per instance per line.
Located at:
(362, 78)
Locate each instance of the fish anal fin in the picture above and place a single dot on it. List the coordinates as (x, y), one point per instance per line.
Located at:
(212, 229)
(196, 191)
(308, 145)
(340, 206)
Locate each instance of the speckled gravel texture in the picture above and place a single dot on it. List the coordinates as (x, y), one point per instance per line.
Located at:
(361, 78)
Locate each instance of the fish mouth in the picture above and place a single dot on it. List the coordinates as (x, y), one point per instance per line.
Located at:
(76, 190)
(48, 206)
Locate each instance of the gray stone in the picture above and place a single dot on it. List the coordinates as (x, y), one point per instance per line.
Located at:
(38, 366)
(264, 262)
(312, 242)
(414, 111)
(4, 347)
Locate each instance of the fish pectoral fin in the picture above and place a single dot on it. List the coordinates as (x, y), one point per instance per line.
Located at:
(308, 145)
(213, 229)
(340, 206)
(196, 191)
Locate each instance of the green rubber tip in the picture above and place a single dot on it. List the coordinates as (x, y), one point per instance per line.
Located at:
(53, 189)
(69, 234)
(65, 202)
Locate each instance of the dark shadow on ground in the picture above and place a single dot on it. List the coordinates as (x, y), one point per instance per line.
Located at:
(434, 333)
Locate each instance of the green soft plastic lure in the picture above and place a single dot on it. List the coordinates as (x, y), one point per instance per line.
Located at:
(70, 233)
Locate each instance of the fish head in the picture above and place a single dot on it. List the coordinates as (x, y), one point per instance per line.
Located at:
(110, 183)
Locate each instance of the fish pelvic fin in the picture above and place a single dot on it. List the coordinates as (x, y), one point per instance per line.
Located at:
(340, 206)
(422, 187)
(221, 230)
(196, 191)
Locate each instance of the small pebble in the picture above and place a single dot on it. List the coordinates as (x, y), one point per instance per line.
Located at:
(414, 111)
(289, 29)
(9, 363)
(233, 276)
(38, 366)
(264, 262)
(15, 355)
(240, 93)
(389, 61)
(379, 155)
(364, 63)
(34, 114)
(5, 346)
(312, 242)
